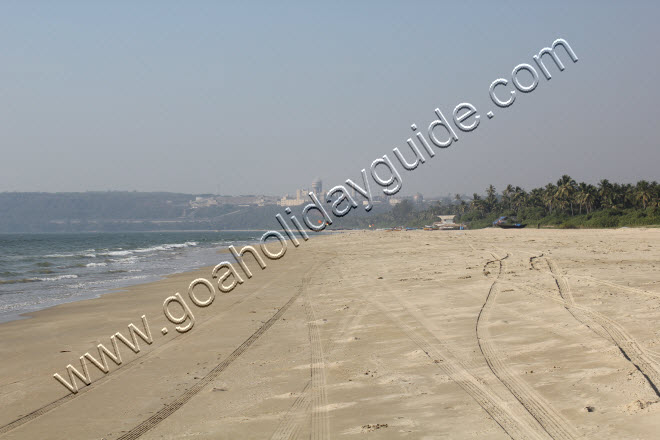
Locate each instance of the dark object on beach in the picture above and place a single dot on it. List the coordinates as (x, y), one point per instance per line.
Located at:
(508, 223)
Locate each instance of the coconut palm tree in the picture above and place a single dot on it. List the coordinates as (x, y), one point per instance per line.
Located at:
(463, 206)
(506, 196)
(565, 191)
(605, 193)
(587, 196)
(535, 197)
(655, 190)
(549, 196)
(491, 198)
(643, 193)
(477, 204)
(580, 194)
(518, 199)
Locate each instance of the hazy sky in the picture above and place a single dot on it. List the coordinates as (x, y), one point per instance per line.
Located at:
(261, 97)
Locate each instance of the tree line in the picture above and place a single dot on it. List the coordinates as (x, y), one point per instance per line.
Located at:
(567, 197)
(566, 203)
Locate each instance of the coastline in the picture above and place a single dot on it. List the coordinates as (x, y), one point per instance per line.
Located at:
(201, 256)
(372, 303)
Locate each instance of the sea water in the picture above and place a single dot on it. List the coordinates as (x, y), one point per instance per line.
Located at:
(42, 270)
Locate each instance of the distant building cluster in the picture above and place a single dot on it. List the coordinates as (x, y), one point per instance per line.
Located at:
(300, 197)
(417, 199)
(245, 200)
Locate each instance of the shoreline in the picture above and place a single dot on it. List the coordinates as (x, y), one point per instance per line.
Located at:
(101, 317)
(152, 231)
(21, 316)
(381, 322)
(225, 250)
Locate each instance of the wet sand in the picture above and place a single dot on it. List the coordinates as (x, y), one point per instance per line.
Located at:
(524, 334)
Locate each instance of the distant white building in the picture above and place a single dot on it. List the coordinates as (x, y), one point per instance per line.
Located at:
(317, 186)
(285, 201)
(202, 202)
(301, 197)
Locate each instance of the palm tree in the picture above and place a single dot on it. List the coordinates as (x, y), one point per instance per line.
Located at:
(463, 206)
(579, 195)
(643, 192)
(560, 201)
(491, 198)
(565, 190)
(477, 204)
(506, 196)
(460, 204)
(519, 198)
(535, 197)
(605, 193)
(549, 196)
(586, 196)
(655, 190)
(625, 195)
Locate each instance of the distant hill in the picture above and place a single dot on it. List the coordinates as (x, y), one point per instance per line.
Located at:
(131, 211)
(50, 212)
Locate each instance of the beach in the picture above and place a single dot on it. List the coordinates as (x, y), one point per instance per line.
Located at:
(524, 334)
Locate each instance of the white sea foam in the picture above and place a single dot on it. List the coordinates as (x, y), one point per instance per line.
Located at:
(167, 247)
(129, 260)
(117, 253)
(86, 254)
(162, 247)
(109, 282)
(57, 278)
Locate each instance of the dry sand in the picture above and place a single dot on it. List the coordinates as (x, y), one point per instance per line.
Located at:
(529, 334)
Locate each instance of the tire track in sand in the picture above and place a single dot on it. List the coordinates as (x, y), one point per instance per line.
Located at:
(126, 367)
(290, 426)
(550, 420)
(508, 414)
(173, 406)
(624, 288)
(604, 326)
(320, 427)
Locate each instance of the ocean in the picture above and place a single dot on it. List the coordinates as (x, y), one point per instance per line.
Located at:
(42, 270)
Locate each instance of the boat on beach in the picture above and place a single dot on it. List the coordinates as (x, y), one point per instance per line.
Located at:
(505, 222)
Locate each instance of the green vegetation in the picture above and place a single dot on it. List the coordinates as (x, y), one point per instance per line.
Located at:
(569, 204)
(566, 204)
(402, 214)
